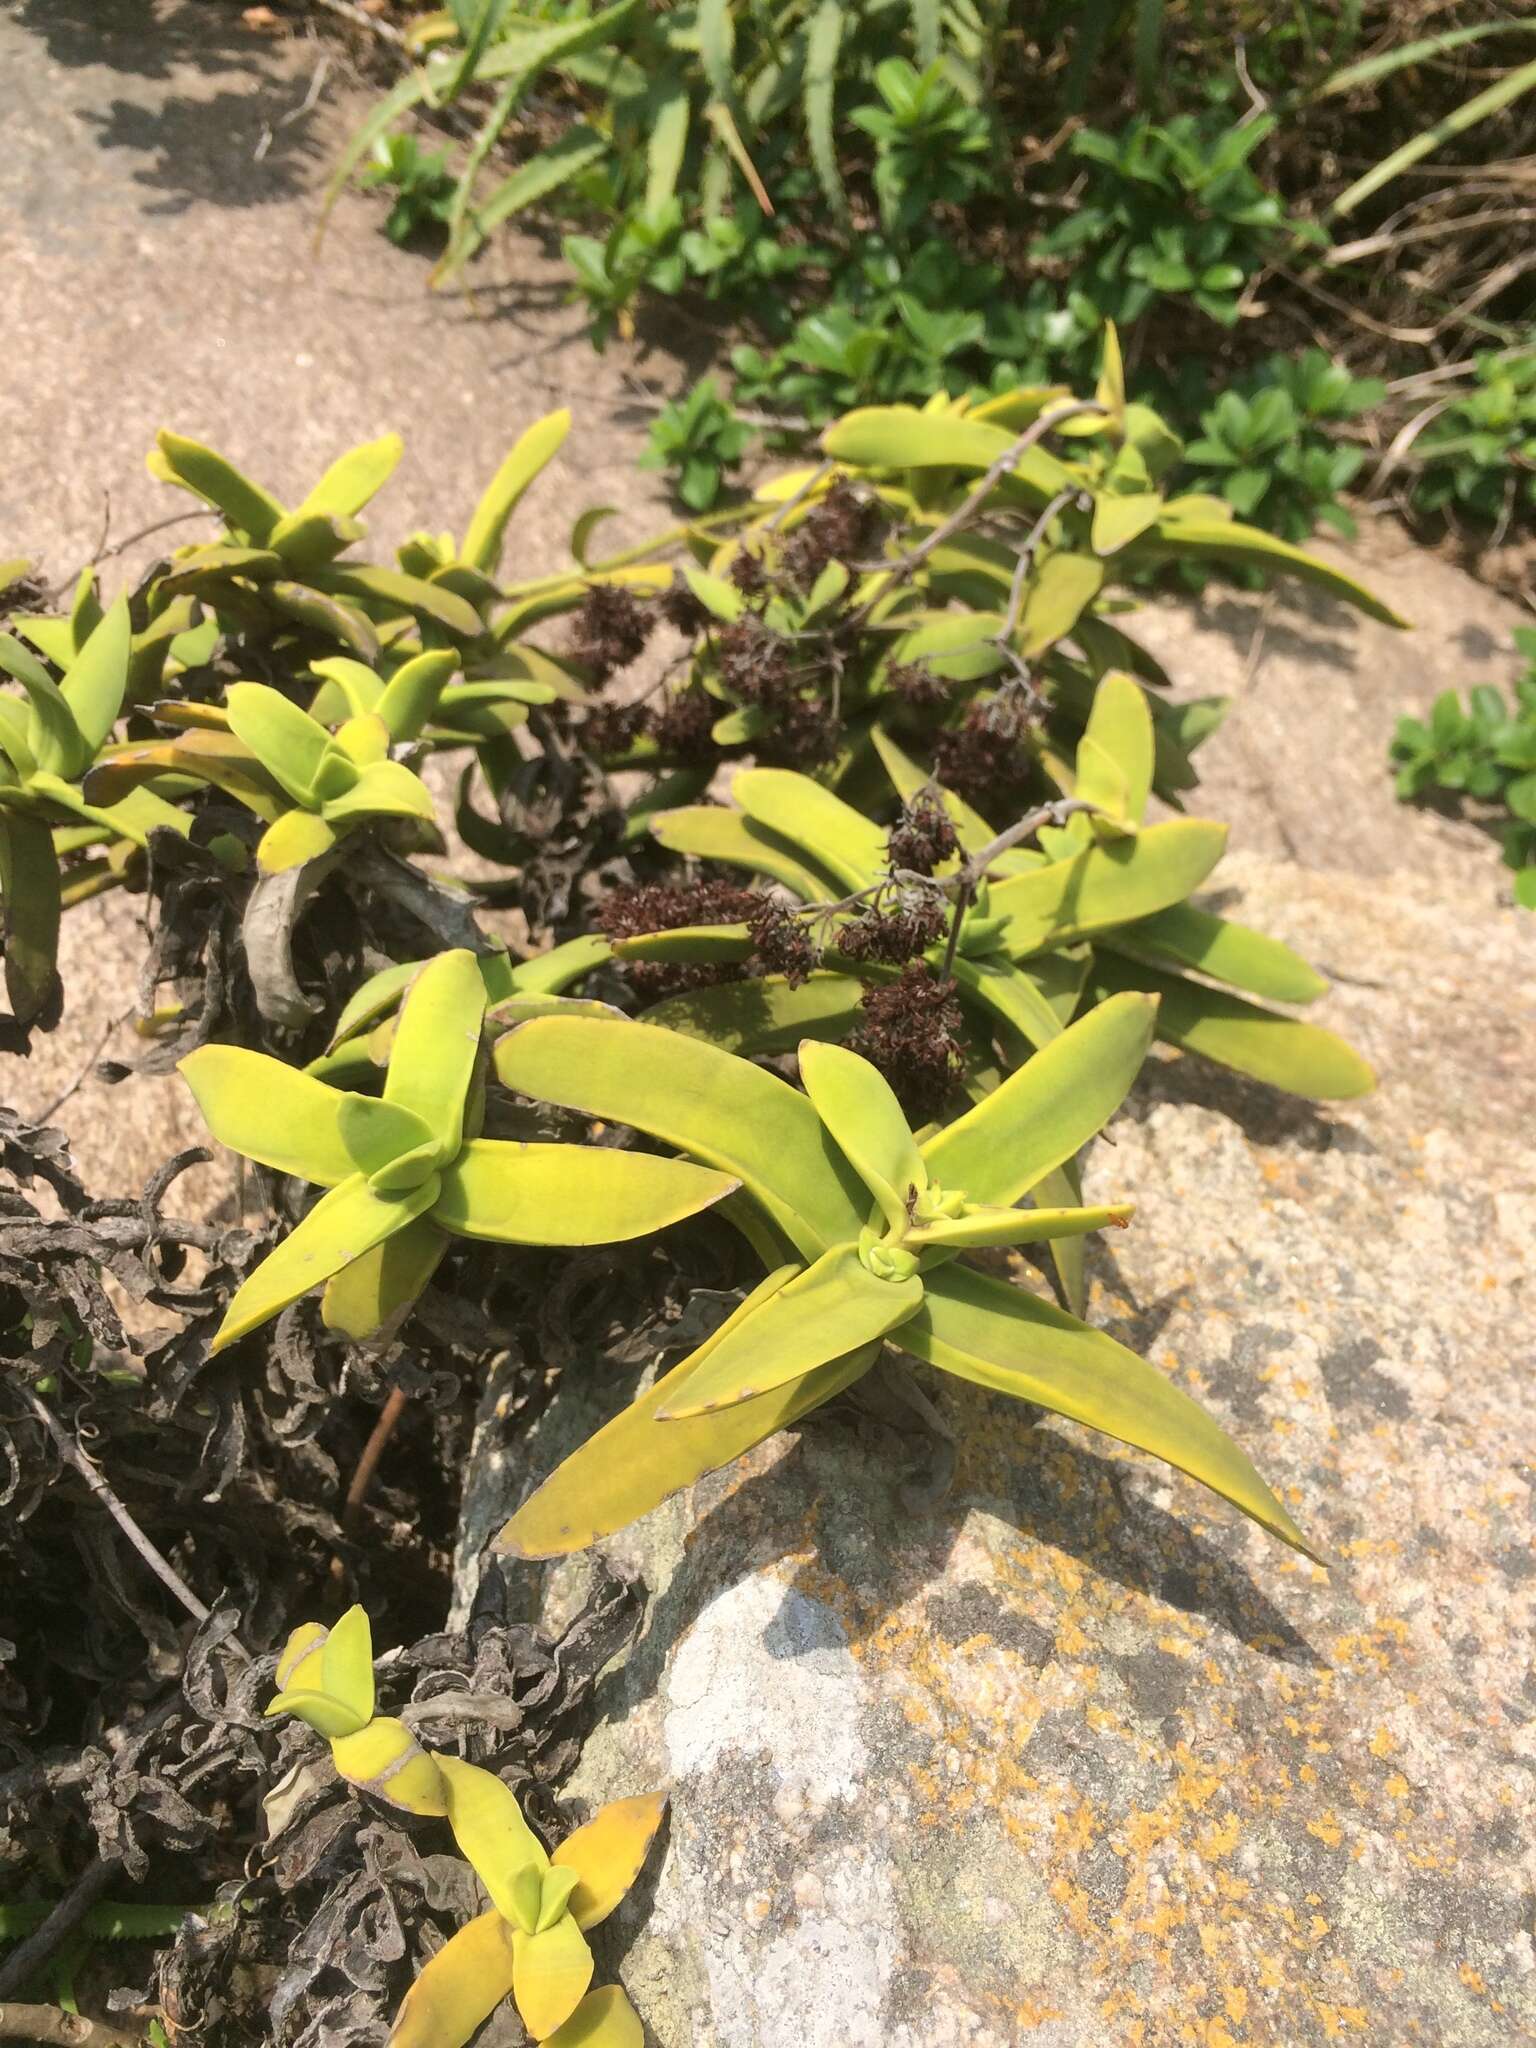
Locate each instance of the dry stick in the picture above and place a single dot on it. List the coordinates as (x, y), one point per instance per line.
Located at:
(51, 2024)
(70, 1451)
(901, 570)
(46, 1939)
(373, 1450)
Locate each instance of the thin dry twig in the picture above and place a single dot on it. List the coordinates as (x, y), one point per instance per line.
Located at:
(70, 1451)
(46, 1939)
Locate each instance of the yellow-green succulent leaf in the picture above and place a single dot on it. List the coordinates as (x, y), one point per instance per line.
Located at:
(569, 1194)
(550, 1972)
(1105, 885)
(1118, 520)
(525, 1893)
(833, 1307)
(363, 740)
(292, 840)
(1176, 536)
(371, 584)
(1010, 993)
(411, 695)
(332, 1718)
(1047, 1108)
(343, 1224)
(489, 1828)
(859, 1107)
(554, 1889)
(52, 738)
(285, 1119)
(247, 507)
(298, 1668)
(321, 613)
(1119, 731)
(901, 437)
(817, 823)
(385, 1758)
(550, 973)
(1110, 390)
(96, 679)
(535, 447)
(763, 1015)
(723, 1111)
(710, 832)
(1229, 952)
(606, 1856)
(287, 742)
(1305, 1059)
(604, 2019)
(306, 540)
(1061, 590)
(384, 789)
(706, 943)
(354, 478)
(1062, 1188)
(459, 1988)
(1014, 1343)
(369, 1292)
(437, 1045)
(633, 1463)
(13, 736)
(31, 903)
(346, 1662)
(982, 1225)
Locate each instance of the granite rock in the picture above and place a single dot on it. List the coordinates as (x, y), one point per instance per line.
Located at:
(1079, 1757)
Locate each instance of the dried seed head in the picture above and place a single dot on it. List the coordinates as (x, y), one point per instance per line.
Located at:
(783, 944)
(894, 936)
(923, 836)
(682, 724)
(610, 629)
(912, 1032)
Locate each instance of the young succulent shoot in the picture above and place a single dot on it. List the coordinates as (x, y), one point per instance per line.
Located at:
(312, 786)
(861, 1225)
(532, 1943)
(407, 1170)
(325, 1679)
(48, 741)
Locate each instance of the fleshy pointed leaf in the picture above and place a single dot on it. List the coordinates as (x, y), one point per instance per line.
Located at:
(489, 1827)
(384, 789)
(373, 584)
(343, 1224)
(1105, 885)
(607, 1854)
(350, 688)
(723, 1111)
(354, 478)
(634, 1462)
(321, 613)
(994, 1334)
(859, 1107)
(1119, 520)
(1226, 951)
(31, 903)
(1120, 725)
(285, 1119)
(437, 1046)
(1306, 1059)
(550, 1972)
(1009, 992)
(570, 1194)
(248, 508)
(821, 825)
(710, 832)
(459, 1988)
(292, 840)
(982, 1225)
(362, 1297)
(332, 1718)
(833, 1307)
(413, 691)
(385, 1758)
(1061, 591)
(96, 679)
(1047, 1108)
(299, 1665)
(604, 2019)
(908, 776)
(287, 742)
(535, 447)
(52, 737)
(764, 1016)
(346, 1662)
(1230, 541)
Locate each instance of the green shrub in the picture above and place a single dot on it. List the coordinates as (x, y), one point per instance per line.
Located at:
(1479, 455)
(1486, 751)
(1267, 441)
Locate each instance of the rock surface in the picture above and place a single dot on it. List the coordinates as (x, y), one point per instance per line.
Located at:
(1080, 1758)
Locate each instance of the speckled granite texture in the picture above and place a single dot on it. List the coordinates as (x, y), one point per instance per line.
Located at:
(1080, 1757)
